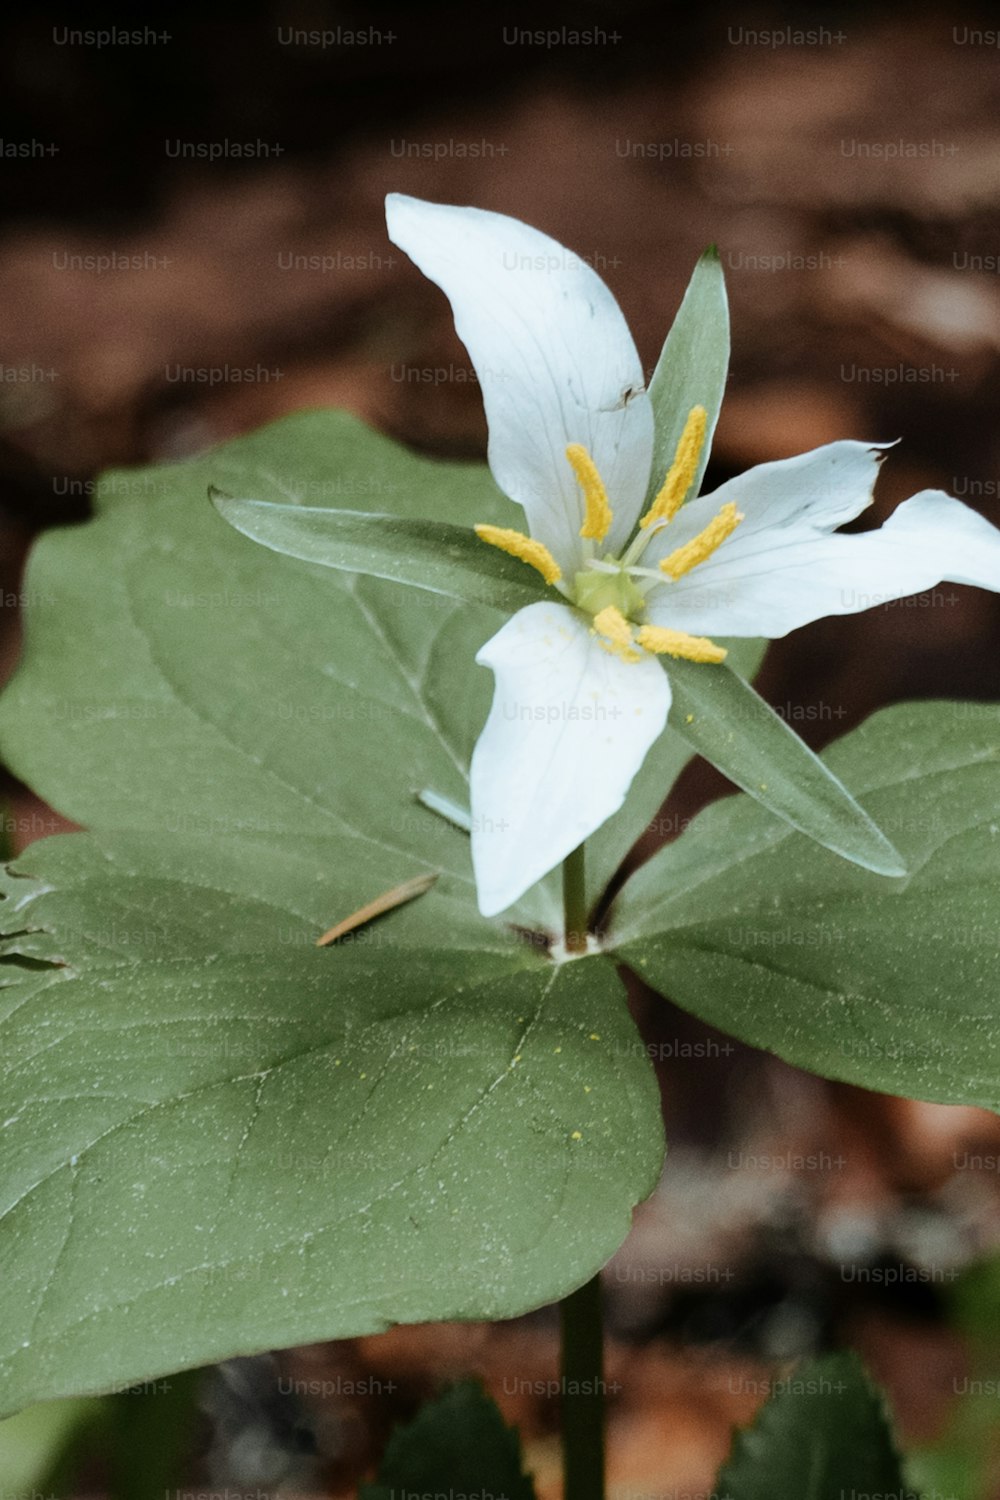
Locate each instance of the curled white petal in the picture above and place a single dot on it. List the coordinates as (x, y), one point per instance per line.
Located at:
(785, 505)
(569, 727)
(554, 357)
(929, 539)
(811, 493)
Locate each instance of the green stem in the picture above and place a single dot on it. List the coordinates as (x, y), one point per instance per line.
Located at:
(583, 1393)
(581, 1327)
(575, 901)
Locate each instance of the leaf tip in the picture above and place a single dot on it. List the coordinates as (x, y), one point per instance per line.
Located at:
(885, 859)
(221, 502)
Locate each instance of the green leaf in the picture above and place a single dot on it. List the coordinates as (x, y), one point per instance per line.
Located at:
(888, 984)
(38, 1447)
(149, 1435)
(974, 1299)
(722, 718)
(278, 719)
(221, 1138)
(187, 1172)
(431, 555)
(456, 1445)
(959, 1456)
(823, 1436)
(691, 370)
(960, 1462)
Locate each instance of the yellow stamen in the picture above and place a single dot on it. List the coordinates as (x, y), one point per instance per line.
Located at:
(680, 475)
(679, 643)
(599, 515)
(683, 559)
(617, 632)
(524, 548)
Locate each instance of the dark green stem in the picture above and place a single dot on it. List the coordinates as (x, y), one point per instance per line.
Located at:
(583, 1393)
(575, 901)
(581, 1327)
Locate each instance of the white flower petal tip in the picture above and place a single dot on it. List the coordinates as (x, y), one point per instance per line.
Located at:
(934, 538)
(569, 727)
(785, 565)
(555, 359)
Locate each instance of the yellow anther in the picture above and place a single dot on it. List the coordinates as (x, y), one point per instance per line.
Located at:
(616, 633)
(599, 515)
(683, 559)
(524, 548)
(680, 475)
(678, 643)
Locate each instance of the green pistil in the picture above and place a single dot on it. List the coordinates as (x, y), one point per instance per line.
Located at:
(593, 591)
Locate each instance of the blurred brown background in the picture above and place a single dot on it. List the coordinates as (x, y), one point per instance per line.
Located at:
(209, 199)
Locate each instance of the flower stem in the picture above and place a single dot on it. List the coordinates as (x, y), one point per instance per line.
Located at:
(583, 1393)
(581, 1328)
(575, 901)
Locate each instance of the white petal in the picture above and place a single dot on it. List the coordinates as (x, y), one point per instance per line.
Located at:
(783, 504)
(929, 539)
(810, 494)
(554, 357)
(569, 727)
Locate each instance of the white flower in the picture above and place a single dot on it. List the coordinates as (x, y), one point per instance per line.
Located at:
(580, 692)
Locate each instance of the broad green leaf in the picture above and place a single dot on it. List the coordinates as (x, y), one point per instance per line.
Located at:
(186, 1173)
(691, 370)
(722, 718)
(456, 1445)
(823, 1435)
(888, 984)
(220, 1138)
(278, 719)
(431, 555)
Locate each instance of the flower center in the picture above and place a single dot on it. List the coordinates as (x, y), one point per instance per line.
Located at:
(594, 591)
(605, 588)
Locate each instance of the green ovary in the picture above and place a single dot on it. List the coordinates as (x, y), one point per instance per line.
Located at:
(593, 591)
